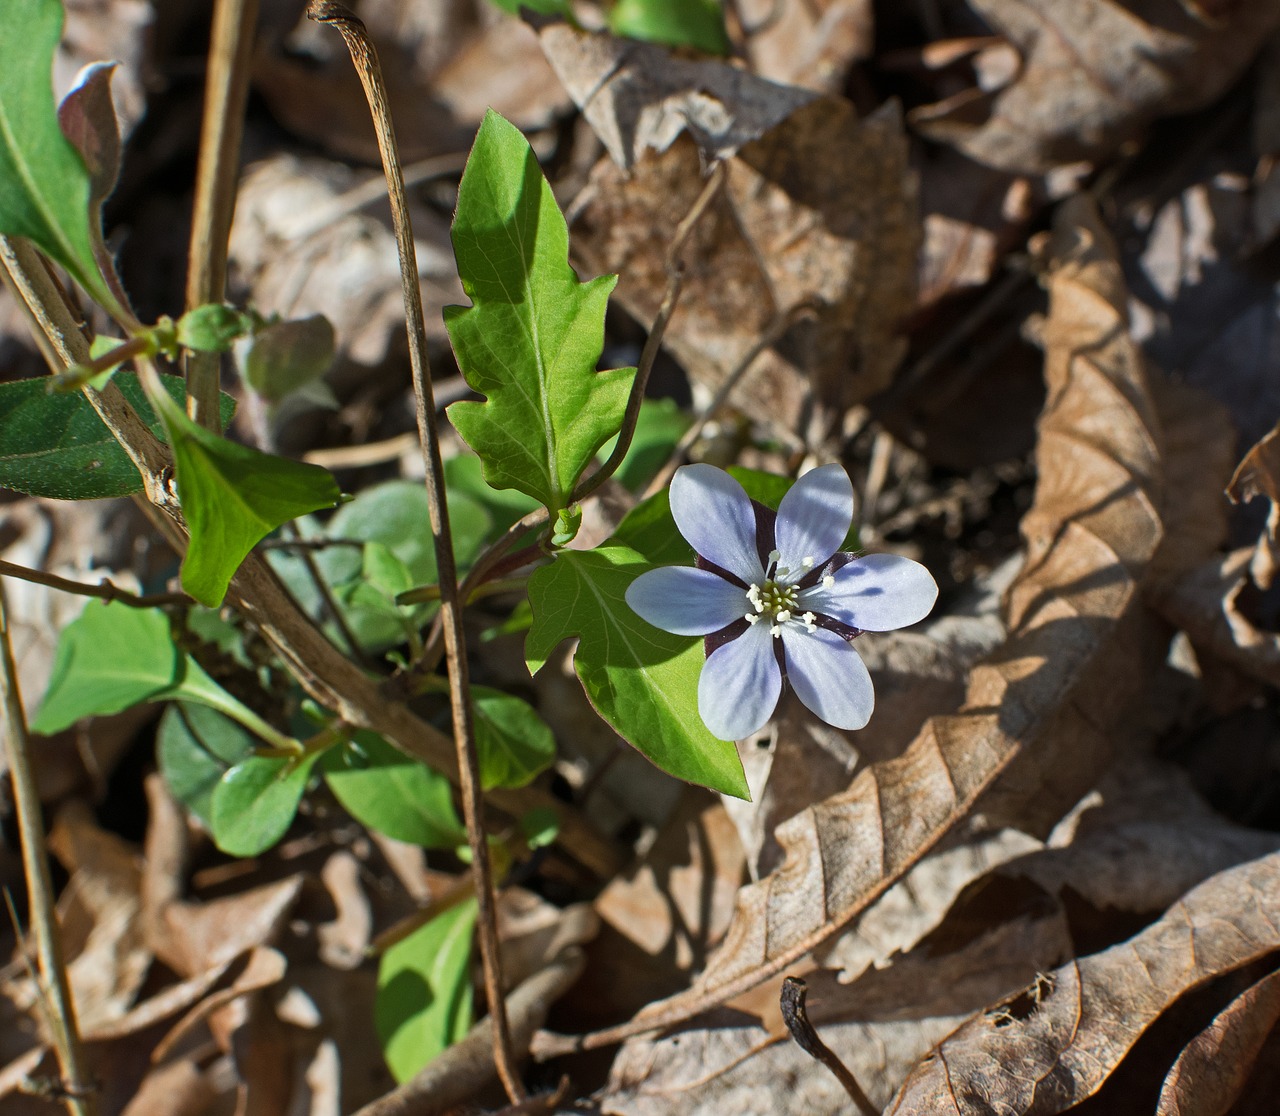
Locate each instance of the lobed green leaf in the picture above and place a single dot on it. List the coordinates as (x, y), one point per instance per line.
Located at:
(533, 334)
(641, 680)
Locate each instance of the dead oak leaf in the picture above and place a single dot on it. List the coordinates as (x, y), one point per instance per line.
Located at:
(1093, 74)
(1056, 1043)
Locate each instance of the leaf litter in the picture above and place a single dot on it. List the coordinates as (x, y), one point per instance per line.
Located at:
(1006, 878)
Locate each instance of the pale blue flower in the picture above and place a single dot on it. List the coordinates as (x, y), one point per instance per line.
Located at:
(777, 599)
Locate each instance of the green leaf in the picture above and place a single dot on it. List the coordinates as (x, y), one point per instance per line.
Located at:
(55, 445)
(212, 328)
(285, 356)
(45, 189)
(254, 803)
(424, 991)
(388, 791)
(393, 515)
(540, 826)
(694, 23)
(643, 681)
(108, 658)
(544, 7)
(195, 746)
(233, 497)
(532, 337)
(514, 743)
(112, 656)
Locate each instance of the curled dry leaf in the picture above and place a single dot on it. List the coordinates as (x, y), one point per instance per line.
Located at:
(1211, 605)
(1054, 1044)
(1093, 74)
(1259, 475)
(1054, 688)
(1212, 1071)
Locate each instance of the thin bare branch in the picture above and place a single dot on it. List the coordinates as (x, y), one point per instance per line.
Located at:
(366, 62)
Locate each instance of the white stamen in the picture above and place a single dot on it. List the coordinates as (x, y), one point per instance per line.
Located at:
(809, 619)
(783, 616)
(828, 582)
(807, 562)
(759, 605)
(774, 556)
(751, 617)
(776, 630)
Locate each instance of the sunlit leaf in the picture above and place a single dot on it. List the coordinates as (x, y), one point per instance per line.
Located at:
(533, 334)
(643, 681)
(424, 991)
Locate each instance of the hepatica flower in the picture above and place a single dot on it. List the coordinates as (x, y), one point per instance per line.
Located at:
(777, 599)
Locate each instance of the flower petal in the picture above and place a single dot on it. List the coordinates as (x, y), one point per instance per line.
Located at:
(814, 517)
(877, 593)
(716, 518)
(685, 601)
(740, 685)
(829, 676)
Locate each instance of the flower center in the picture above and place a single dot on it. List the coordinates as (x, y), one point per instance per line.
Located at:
(777, 602)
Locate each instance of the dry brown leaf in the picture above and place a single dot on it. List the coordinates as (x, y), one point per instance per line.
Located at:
(1093, 74)
(192, 937)
(1258, 474)
(178, 1088)
(1211, 1072)
(1056, 1043)
(809, 43)
(1211, 606)
(438, 85)
(638, 98)
(1063, 677)
(819, 212)
(301, 244)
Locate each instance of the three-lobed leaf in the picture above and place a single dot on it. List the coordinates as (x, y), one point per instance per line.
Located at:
(233, 497)
(45, 189)
(643, 681)
(531, 338)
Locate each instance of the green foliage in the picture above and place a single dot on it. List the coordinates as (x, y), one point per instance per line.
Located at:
(113, 656)
(47, 190)
(513, 742)
(544, 7)
(109, 658)
(55, 445)
(643, 681)
(424, 991)
(531, 338)
(233, 497)
(539, 827)
(693, 23)
(212, 328)
(463, 475)
(195, 746)
(386, 790)
(391, 519)
(255, 802)
(282, 357)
